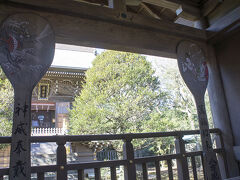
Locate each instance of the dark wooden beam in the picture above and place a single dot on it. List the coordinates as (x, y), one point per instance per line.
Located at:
(178, 2)
(163, 3)
(182, 8)
(223, 21)
(185, 2)
(81, 24)
(149, 11)
(118, 5)
(188, 12)
(209, 6)
(225, 15)
(172, 4)
(102, 14)
(103, 3)
(214, 38)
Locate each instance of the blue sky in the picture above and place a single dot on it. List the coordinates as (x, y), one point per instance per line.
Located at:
(76, 56)
(73, 58)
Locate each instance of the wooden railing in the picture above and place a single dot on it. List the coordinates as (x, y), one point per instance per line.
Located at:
(129, 161)
(48, 131)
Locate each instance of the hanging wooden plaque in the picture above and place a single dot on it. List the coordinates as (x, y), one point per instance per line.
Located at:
(193, 68)
(27, 46)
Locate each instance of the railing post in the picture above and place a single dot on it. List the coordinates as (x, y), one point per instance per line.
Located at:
(222, 161)
(113, 173)
(182, 164)
(81, 174)
(97, 173)
(158, 171)
(40, 176)
(61, 160)
(128, 154)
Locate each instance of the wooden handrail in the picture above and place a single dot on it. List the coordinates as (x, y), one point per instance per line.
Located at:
(128, 161)
(76, 138)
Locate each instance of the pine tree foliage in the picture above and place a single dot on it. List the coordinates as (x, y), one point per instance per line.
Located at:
(119, 96)
(122, 94)
(6, 105)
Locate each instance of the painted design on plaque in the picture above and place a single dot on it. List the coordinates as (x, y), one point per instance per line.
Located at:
(14, 34)
(200, 72)
(17, 44)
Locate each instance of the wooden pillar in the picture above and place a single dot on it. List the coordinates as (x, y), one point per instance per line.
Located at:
(220, 112)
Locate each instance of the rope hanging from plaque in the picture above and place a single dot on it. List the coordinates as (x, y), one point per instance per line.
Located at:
(193, 68)
(27, 44)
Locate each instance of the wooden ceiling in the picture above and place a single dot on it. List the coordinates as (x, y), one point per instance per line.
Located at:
(178, 11)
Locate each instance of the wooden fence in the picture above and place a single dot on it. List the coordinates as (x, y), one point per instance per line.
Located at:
(129, 161)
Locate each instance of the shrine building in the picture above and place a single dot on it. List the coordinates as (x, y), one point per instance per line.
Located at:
(53, 96)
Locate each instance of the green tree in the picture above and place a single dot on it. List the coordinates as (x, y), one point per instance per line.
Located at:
(119, 95)
(181, 110)
(6, 105)
(124, 94)
(179, 97)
